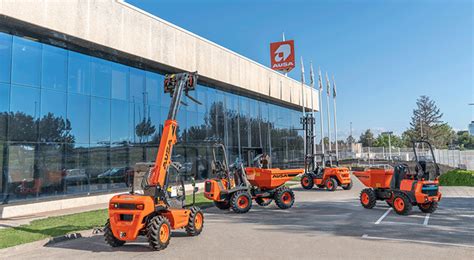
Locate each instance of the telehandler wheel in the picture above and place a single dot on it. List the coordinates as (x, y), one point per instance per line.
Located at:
(401, 204)
(196, 222)
(284, 197)
(110, 238)
(158, 232)
(307, 181)
(222, 204)
(331, 184)
(368, 199)
(263, 201)
(348, 186)
(429, 207)
(241, 201)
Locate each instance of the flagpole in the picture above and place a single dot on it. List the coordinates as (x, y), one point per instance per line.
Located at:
(328, 85)
(320, 82)
(303, 107)
(335, 115)
(312, 110)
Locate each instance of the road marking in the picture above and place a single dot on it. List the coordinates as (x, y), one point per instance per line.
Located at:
(383, 216)
(365, 236)
(427, 218)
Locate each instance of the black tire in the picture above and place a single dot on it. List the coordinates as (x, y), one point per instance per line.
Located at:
(368, 198)
(331, 184)
(389, 203)
(155, 227)
(348, 186)
(307, 181)
(263, 201)
(224, 205)
(428, 207)
(110, 238)
(241, 201)
(401, 204)
(196, 222)
(284, 197)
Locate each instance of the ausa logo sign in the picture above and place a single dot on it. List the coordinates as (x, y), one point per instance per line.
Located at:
(283, 55)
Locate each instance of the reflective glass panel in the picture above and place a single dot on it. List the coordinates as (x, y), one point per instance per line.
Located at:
(5, 57)
(137, 85)
(120, 122)
(54, 74)
(101, 78)
(154, 85)
(120, 81)
(100, 121)
(4, 109)
(79, 73)
(26, 62)
(25, 109)
(53, 124)
(78, 115)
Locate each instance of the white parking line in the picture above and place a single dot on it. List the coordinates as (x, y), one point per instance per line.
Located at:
(427, 218)
(383, 216)
(365, 236)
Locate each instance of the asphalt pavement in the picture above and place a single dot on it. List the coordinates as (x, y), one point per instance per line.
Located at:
(321, 224)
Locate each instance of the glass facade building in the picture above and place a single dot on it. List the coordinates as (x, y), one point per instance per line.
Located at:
(72, 123)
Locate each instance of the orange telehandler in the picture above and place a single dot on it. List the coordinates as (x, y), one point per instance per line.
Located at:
(150, 214)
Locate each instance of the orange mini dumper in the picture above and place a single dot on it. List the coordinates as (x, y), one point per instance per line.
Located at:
(400, 188)
(150, 214)
(236, 188)
(328, 177)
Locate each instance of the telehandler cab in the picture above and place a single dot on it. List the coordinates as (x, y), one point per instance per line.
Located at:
(150, 214)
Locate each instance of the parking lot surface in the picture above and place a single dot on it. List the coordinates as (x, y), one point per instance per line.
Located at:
(321, 224)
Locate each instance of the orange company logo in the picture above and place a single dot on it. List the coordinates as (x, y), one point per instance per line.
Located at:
(282, 55)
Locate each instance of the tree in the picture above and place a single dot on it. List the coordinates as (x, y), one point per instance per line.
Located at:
(144, 129)
(464, 140)
(382, 141)
(350, 139)
(367, 138)
(425, 116)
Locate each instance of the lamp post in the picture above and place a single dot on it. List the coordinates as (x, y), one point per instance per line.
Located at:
(389, 144)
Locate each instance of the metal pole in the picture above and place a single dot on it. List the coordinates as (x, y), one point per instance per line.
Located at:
(320, 82)
(329, 116)
(389, 148)
(283, 37)
(335, 118)
(312, 111)
(303, 106)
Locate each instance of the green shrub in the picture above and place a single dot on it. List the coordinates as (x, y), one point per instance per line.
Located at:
(457, 178)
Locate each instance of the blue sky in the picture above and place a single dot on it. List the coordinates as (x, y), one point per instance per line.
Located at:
(384, 54)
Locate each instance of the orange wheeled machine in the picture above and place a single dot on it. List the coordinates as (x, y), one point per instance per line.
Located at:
(236, 186)
(400, 187)
(326, 175)
(150, 214)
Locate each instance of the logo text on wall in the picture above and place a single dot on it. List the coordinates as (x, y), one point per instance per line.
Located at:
(283, 55)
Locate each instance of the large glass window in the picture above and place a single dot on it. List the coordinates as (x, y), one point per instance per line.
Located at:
(119, 122)
(5, 57)
(26, 62)
(120, 81)
(100, 121)
(53, 125)
(154, 83)
(137, 85)
(4, 109)
(79, 78)
(78, 115)
(101, 78)
(54, 73)
(25, 109)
